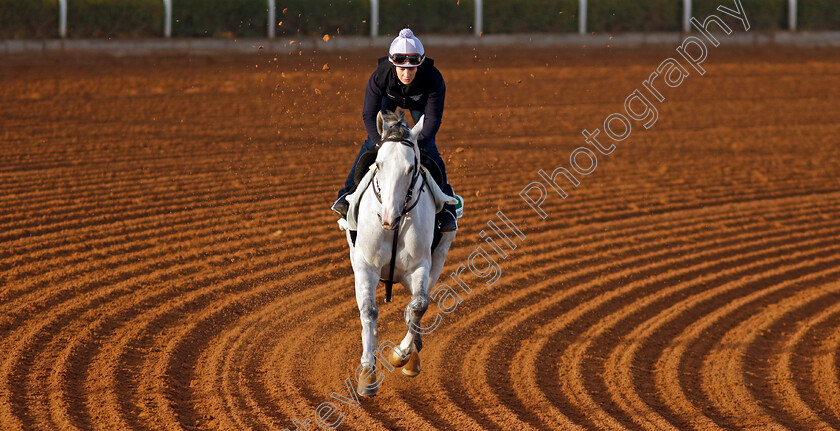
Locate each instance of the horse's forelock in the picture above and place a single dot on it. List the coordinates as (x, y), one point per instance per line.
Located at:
(397, 133)
(391, 118)
(395, 126)
(395, 136)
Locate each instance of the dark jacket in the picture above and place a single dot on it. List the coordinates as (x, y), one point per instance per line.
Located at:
(426, 93)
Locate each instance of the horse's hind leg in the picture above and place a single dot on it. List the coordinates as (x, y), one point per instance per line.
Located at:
(438, 259)
(439, 256)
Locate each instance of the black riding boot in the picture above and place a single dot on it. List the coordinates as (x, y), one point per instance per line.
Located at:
(341, 206)
(446, 219)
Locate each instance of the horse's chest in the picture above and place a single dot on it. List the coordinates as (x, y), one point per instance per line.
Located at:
(378, 252)
(377, 255)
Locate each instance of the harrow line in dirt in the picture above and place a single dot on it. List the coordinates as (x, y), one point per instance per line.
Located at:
(119, 256)
(184, 188)
(30, 296)
(824, 371)
(570, 367)
(118, 289)
(670, 361)
(534, 251)
(58, 227)
(486, 306)
(373, 414)
(264, 324)
(137, 230)
(619, 368)
(781, 376)
(169, 358)
(139, 325)
(102, 298)
(145, 285)
(236, 397)
(98, 228)
(722, 371)
(537, 355)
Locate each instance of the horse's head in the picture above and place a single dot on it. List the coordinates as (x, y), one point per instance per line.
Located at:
(397, 164)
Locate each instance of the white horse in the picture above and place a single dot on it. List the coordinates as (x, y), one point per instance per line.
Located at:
(395, 203)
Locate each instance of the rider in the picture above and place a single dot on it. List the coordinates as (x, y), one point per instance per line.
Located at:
(406, 78)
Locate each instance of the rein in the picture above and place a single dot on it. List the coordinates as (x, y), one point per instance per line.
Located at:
(406, 208)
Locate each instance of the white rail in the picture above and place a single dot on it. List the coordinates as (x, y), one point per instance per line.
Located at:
(272, 18)
(167, 18)
(582, 17)
(374, 18)
(479, 24)
(478, 28)
(62, 18)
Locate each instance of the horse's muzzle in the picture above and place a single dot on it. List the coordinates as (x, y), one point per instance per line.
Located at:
(389, 225)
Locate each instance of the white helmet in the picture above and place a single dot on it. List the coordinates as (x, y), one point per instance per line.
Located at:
(406, 50)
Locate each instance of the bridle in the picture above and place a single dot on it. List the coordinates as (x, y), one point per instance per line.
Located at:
(415, 174)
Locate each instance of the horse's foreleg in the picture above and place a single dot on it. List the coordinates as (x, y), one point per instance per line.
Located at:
(366, 281)
(415, 309)
(409, 357)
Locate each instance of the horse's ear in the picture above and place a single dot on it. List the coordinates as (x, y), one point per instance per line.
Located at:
(379, 123)
(418, 126)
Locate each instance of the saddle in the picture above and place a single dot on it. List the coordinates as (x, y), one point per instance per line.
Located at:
(369, 158)
(363, 168)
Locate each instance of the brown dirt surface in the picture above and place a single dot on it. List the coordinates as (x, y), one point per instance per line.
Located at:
(168, 260)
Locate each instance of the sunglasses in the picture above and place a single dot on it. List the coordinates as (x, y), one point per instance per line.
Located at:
(412, 59)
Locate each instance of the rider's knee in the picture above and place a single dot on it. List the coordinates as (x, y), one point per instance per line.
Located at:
(369, 312)
(432, 152)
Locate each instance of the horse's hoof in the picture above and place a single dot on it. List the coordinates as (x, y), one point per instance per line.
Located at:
(412, 367)
(396, 358)
(367, 386)
(366, 392)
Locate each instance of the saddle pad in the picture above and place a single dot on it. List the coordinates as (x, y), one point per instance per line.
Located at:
(365, 161)
(369, 158)
(354, 199)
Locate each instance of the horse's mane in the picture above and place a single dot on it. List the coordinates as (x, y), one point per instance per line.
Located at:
(397, 129)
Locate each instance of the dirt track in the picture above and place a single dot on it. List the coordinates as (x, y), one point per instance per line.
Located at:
(168, 260)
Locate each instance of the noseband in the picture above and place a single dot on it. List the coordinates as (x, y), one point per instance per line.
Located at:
(415, 174)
